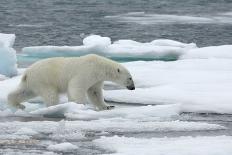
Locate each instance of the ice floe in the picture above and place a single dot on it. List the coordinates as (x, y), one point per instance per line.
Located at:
(158, 49)
(7, 40)
(223, 51)
(168, 146)
(190, 83)
(63, 147)
(26, 131)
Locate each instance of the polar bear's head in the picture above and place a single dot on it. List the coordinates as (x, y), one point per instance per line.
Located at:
(124, 78)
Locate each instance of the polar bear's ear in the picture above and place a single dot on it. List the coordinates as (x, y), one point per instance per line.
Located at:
(118, 70)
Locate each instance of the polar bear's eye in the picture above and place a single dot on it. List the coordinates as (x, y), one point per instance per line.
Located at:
(118, 70)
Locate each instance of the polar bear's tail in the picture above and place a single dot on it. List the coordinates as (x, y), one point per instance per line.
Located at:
(16, 97)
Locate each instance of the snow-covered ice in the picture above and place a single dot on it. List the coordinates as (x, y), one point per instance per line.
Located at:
(190, 83)
(218, 145)
(7, 40)
(157, 49)
(64, 147)
(26, 131)
(223, 51)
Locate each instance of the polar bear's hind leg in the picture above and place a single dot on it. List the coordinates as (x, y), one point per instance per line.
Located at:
(18, 96)
(49, 95)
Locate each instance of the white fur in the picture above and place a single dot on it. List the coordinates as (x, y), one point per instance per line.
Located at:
(78, 76)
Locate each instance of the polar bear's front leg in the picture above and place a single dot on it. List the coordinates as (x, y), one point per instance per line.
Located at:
(95, 95)
(76, 91)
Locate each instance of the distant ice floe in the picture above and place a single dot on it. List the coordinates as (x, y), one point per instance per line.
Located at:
(163, 49)
(8, 66)
(34, 25)
(152, 18)
(168, 146)
(159, 49)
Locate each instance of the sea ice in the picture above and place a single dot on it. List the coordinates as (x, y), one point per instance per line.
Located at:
(223, 51)
(64, 147)
(190, 83)
(157, 49)
(26, 131)
(7, 40)
(218, 145)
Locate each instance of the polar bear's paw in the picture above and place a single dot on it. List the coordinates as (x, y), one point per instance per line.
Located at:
(20, 106)
(108, 107)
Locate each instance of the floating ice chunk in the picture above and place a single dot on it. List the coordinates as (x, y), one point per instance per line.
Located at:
(94, 40)
(144, 50)
(127, 42)
(26, 131)
(122, 48)
(168, 146)
(7, 40)
(63, 147)
(8, 66)
(168, 42)
(223, 51)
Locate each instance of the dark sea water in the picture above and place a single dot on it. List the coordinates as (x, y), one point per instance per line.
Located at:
(59, 22)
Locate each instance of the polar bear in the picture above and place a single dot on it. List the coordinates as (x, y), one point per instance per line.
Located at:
(80, 77)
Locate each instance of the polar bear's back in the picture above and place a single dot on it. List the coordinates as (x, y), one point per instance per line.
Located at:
(57, 72)
(45, 72)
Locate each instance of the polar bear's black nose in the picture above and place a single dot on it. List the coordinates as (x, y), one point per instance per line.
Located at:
(131, 87)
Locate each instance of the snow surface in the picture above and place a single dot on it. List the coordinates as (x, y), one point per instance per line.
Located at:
(8, 66)
(64, 147)
(26, 131)
(157, 49)
(191, 83)
(219, 145)
(223, 51)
